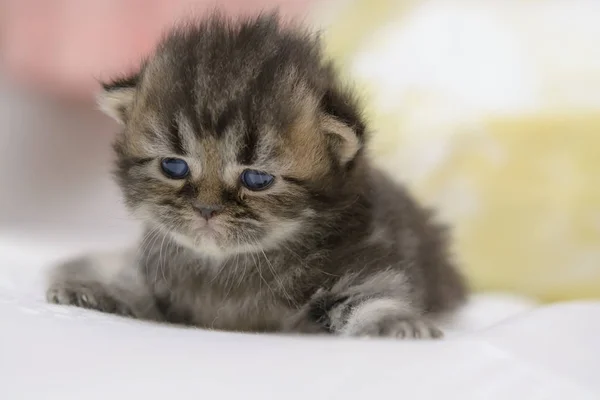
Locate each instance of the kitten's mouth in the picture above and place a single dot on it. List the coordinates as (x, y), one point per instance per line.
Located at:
(208, 229)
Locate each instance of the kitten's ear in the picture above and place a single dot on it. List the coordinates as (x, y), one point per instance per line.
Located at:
(342, 121)
(116, 98)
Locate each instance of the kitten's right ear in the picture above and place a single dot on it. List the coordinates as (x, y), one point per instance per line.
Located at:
(343, 122)
(116, 98)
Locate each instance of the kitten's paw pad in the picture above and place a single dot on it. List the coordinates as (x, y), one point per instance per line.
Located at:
(85, 297)
(80, 297)
(412, 329)
(397, 327)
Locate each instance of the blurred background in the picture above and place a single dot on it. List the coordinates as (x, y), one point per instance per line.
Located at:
(488, 110)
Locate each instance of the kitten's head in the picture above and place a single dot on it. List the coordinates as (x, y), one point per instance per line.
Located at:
(237, 136)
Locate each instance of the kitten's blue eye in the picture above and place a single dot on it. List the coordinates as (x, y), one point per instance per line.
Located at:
(256, 180)
(175, 168)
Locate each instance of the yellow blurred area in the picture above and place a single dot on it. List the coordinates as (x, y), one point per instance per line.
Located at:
(536, 226)
(490, 111)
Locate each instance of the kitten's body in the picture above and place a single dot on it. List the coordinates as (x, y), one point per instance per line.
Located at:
(332, 246)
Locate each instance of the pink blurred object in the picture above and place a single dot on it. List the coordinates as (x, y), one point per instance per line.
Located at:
(65, 46)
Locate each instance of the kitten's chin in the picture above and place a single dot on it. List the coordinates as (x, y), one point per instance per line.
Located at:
(209, 241)
(204, 243)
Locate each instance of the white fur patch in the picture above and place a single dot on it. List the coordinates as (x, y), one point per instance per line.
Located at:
(371, 312)
(206, 247)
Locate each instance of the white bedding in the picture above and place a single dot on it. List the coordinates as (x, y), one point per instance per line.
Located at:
(501, 347)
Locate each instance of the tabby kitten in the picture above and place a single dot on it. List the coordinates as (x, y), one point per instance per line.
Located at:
(245, 158)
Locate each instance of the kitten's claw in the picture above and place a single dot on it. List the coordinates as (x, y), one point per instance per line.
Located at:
(86, 297)
(397, 327)
(414, 329)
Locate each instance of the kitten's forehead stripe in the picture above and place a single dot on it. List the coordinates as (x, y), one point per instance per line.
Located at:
(175, 139)
(188, 134)
(225, 118)
(248, 150)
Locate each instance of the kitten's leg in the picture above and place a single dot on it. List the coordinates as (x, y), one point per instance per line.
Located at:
(380, 306)
(383, 316)
(105, 282)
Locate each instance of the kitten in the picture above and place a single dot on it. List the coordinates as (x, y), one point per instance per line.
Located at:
(245, 158)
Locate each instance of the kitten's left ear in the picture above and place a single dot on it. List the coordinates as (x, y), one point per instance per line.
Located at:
(342, 121)
(116, 98)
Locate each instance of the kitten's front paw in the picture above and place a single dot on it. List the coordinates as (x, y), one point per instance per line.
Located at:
(387, 317)
(393, 327)
(86, 296)
(353, 315)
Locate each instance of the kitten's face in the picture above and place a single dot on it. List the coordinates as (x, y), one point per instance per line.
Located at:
(235, 154)
(221, 193)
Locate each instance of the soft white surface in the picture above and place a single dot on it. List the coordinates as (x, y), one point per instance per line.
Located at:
(501, 347)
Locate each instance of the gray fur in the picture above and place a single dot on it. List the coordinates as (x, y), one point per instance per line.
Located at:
(333, 247)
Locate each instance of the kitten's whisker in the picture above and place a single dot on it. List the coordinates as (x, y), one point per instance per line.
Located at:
(170, 243)
(218, 273)
(230, 279)
(237, 261)
(241, 278)
(151, 244)
(146, 238)
(142, 246)
(303, 264)
(258, 268)
(275, 275)
(160, 259)
(247, 239)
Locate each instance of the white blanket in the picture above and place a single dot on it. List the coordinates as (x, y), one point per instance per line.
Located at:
(501, 347)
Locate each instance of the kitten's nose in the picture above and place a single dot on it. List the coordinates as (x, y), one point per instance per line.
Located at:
(207, 211)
